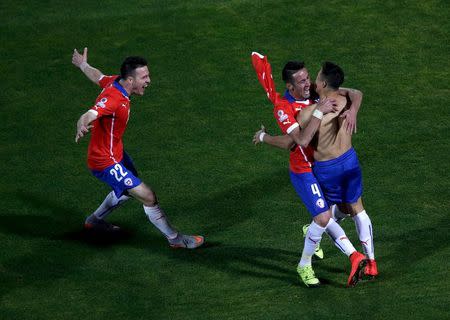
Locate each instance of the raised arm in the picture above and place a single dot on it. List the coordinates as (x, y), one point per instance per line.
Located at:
(355, 97)
(80, 61)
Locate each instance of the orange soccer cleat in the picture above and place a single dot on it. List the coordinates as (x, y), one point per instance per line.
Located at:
(371, 270)
(358, 261)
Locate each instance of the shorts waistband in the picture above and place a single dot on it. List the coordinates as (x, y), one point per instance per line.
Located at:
(339, 159)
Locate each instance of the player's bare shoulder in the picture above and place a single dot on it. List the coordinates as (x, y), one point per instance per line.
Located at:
(342, 105)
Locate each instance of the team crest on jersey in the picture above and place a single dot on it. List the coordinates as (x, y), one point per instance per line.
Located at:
(101, 103)
(320, 203)
(128, 182)
(282, 116)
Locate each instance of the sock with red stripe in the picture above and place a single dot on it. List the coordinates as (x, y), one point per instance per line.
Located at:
(337, 234)
(110, 203)
(364, 229)
(312, 240)
(157, 216)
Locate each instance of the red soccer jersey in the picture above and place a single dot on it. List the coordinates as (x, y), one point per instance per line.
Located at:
(285, 111)
(113, 110)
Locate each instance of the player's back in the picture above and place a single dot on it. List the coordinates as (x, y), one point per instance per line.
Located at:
(332, 137)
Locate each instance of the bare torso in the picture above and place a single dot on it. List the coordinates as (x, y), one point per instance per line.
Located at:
(331, 139)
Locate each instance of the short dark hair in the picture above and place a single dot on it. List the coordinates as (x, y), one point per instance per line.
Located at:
(290, 68)
(130, 64)
(332, 74)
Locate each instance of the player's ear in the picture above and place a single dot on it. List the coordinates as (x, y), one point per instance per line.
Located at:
(289, 86)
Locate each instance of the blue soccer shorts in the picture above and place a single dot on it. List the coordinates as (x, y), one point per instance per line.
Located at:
(340, 178)
(308, 189)
(120, 176)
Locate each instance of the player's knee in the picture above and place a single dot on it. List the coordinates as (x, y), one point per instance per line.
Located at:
(355, 208)
(150, 199)
(323, 218)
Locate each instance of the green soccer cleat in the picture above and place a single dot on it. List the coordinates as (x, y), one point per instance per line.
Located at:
(308, 276)
(319, 252)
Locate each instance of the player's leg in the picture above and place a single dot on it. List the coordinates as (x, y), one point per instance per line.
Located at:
(97, 218)
(331, 177)
(311, 243)
(332, 228)
(364, 229)
(119, 178)
(352, 197)
(319, 252)
(113, 176)
(154, 213)
(321, 223)
(308, 190)
(158, 218)
(339, 213)
(306, 186)
(342, 242)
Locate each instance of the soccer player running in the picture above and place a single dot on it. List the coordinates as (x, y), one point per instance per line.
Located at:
(107, 120)
(296, 98)
(336, 164)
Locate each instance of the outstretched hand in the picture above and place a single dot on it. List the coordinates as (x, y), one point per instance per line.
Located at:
(78, 59)
(256, 139)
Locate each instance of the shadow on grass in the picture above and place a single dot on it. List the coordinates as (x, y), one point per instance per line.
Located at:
(97, 238)
(414, 246)
(221, 211)
(238, 261)
(253, 262)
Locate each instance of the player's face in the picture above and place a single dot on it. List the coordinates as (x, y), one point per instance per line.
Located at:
(141, 80)
(301, 84)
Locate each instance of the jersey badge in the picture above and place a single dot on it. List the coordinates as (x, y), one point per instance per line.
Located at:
(101, 103)
(282, 116)
(320, 203)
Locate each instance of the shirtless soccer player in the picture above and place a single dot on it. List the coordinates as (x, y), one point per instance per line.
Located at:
(285, 109)
(336, 165)
(107, 119)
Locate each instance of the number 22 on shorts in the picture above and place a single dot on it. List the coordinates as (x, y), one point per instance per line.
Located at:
(118, 170)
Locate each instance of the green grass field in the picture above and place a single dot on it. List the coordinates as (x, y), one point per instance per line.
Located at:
(190, 137)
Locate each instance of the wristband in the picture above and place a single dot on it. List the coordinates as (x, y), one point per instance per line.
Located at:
(318, 114)
(261, 136)
(83, 66)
